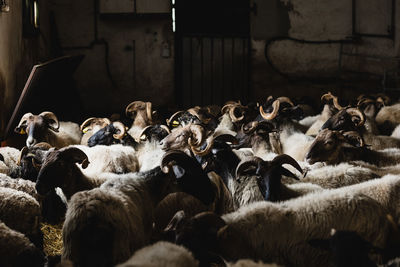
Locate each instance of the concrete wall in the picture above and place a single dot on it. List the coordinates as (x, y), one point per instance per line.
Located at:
(18, 55)
(123, 56)
(320, 20)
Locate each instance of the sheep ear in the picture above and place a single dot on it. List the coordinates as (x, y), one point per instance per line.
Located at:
(75, 155)
(176, 221)
(320, 243)
(178, 171)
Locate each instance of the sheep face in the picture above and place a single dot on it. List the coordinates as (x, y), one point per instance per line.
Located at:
(349, 119)
(30, 161)
(37, 127)
(59, 168)
(183, 138)
(104, 136)
(254, 135)
(326, 147)
(154, 133)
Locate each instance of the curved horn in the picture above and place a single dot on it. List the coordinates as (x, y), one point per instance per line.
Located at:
(180, 157)
(144, 132)
(354, 136)
(43, 146)
(205, 151)
(165, 128)
(122, 131)
(226, 138)
(327, 97)
(226, 108)
(381, 100)
(232, 114)
(284, 99)
(130, 108)
(174, 117)
(254, 161)
(148, 111)
(198, 133)
(75, 155)
(286, 159)
(358, 113)
(36, 165)
(23, 123)
(24, 151)
(86, 123)
(364, 101)
(54, 124)
(273, 114)
(252, 128)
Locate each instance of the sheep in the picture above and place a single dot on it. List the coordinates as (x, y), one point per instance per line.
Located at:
(291, 134)
(141, 113)
(45, 127)
(8, 159)
(59, 168)
(347, 247)
(337, 176)
(19, 184)
(334, 147)
(162, 254)
(326, 113)
(16, 250)
(261, 137)
(269, 178)
(388, 118)
(21, 212)
(352, 119)
(91, 126)
(278, 232)
(29, 161)
(148, 151)
(114, 133)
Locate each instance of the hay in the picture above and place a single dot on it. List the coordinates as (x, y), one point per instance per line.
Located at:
(52, 239)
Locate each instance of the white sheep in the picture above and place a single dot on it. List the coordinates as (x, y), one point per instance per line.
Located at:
(162, 254)
(9, 161)
(279, 232)
(45, 127)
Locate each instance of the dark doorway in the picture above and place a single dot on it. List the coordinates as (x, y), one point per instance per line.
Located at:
(212, 51)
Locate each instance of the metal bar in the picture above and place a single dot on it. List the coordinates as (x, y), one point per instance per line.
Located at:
(353, 17)
(223, 68)
(201, 72)
(233, 67)
(212, 71)
(243, 74)
(393, 28)
(191, 73)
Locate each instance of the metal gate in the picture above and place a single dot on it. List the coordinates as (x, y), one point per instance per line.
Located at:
(212, 51)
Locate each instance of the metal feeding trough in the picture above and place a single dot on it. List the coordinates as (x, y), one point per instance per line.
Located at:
(50, 87)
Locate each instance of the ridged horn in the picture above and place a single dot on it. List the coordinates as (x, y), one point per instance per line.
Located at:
(284, 99)
(254, 161)
(50, 116)
(286, 159)
(273, 114)
(121, 128)
(358, 113)
(232, 114)
(174, 116)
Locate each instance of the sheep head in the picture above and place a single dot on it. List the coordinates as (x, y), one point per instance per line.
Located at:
(199, 234)
(30, 161)
(188, 137)
(190, 176)
(154, 133)
(59, 170)
(110, 134)
(182, 118)
(328, 145)
(141, 113)
(347, 119)
(269, 173)
(258, 134)
(37, 127)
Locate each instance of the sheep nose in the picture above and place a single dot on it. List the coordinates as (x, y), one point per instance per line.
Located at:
(30, 142)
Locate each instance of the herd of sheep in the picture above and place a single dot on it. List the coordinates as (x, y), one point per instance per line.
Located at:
(263, 184)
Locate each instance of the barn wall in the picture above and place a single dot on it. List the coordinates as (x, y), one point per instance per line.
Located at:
(316, 68)
(126, 58)
(18, 55)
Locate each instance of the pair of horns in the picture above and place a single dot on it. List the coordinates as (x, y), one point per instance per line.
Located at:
(277, 161)
(139, 105)
(329, 96)
(101, 121)
(276, 104)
